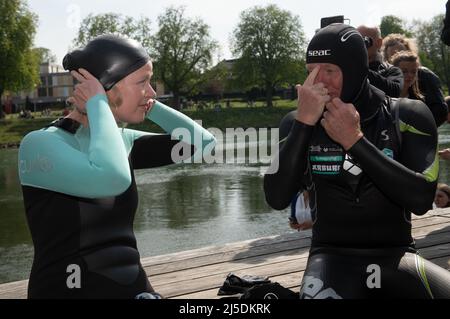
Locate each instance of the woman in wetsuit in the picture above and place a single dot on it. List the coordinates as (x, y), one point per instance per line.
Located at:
(372, 160)
(77, 175)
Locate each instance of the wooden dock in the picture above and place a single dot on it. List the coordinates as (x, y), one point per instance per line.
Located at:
(197, 274)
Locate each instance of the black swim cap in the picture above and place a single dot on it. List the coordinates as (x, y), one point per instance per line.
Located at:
(109, 58)
(342, 45)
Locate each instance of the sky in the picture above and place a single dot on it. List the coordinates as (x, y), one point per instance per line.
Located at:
(59, 20)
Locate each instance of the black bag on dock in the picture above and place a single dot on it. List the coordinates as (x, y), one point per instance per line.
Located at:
(269, 291)
(254, 287)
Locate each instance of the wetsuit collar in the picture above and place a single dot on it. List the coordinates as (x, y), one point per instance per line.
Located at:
(368, 102)
(66, 124)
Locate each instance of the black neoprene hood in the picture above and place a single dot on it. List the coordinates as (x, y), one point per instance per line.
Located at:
(342, 45)
(109, 58)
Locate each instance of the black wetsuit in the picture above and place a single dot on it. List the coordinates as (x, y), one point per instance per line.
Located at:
(90, 237)
(430, 87)
(386, 77)
(364, 198)
(97, 233)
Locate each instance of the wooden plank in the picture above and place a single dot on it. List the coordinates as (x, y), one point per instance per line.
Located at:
(231, 266)
(16, 289)
(246, 250)
(430, 221)
(423, 233)
(435, 212)
(215, 281)
(210, 250)
(432, 239)
(207, 251)
(240, 254)
(428, 230)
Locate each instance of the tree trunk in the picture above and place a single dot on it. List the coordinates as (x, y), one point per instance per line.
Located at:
(176, 100)
(269, 94)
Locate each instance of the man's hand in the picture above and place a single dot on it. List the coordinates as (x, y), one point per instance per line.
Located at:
(311, 99)
(341, 122)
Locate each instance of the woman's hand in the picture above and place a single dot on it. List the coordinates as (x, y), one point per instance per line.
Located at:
(88, 87)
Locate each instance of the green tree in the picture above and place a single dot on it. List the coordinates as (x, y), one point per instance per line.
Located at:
(18, 67)
(95, 25)
(432, 50)
(44, 55)
(392, 24)
(216, 80)
(270, 44)
(183, 51)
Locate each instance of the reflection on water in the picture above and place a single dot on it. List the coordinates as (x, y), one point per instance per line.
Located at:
(180, 207)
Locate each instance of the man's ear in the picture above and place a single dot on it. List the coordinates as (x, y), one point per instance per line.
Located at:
(378, 43)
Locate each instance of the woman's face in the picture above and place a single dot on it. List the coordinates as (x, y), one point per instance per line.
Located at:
(409, 70)
(441, 199)
(133, 96)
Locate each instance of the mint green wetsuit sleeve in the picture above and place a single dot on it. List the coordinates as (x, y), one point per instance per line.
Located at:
(54, 159)
(171, 120)
(180, 126)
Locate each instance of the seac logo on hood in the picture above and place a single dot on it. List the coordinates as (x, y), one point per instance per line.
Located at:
(319, 53)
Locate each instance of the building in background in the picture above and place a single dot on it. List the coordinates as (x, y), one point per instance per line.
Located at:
(55, 86)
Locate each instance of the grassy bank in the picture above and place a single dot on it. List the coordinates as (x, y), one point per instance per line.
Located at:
(13, 129)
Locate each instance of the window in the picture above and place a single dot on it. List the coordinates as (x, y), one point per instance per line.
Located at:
(42, 92)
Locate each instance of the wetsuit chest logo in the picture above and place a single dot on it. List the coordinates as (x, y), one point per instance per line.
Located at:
(351, 167)
(326, 159)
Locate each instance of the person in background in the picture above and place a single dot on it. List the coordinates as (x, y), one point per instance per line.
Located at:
(386, 77)
(429, 83)
(442, 199)
(408, 63)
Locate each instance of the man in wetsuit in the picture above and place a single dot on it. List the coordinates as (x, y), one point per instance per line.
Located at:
(362, 150)
(77, 175)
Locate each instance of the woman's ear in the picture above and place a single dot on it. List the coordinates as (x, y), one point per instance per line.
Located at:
(114, 96)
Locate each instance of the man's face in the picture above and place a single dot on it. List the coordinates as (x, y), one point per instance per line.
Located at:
(330, 75)
(135, 95)
(377, 42)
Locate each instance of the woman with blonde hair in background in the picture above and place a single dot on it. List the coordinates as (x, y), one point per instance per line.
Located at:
(429, 83)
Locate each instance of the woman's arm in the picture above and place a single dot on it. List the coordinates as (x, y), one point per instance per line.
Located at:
(153, 150)
(52, 159)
